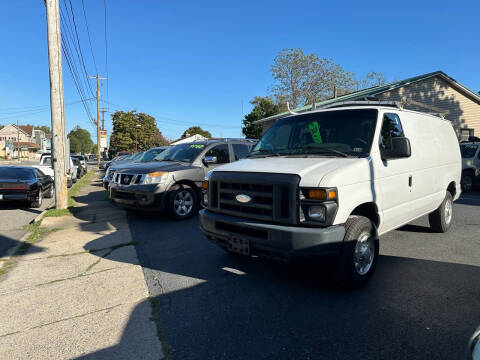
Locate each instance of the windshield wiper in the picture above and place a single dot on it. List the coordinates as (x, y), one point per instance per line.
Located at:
(265, 153)
(323, 150)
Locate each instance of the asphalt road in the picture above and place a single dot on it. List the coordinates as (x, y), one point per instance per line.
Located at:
(422, 303)
(13, 217)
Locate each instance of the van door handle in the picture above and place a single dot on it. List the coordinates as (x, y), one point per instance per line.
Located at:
(410, 181)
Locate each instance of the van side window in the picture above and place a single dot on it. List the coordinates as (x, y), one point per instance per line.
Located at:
(221, 152)
(240, 151)
(391, 128)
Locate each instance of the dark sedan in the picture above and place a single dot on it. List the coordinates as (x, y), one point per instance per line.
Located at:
(26, 184)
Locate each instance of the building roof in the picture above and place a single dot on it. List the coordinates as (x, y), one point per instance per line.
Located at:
(28, 129)
(189, 139)
(373, 91)
(28, 144)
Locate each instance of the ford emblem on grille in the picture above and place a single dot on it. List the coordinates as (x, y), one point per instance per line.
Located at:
(243, 198)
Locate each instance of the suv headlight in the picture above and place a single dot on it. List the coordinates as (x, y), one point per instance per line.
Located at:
(157, 177)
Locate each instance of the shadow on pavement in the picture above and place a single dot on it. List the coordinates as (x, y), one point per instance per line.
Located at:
(18, 205)
(213, 305)
(416, 228)
(6, 243)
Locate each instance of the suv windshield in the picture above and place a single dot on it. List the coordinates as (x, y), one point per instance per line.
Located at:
(182, 152)
(150, 155)
(334, 133)
(468, 150)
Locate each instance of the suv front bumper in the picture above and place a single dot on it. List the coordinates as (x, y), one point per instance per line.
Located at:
(140, 197)
(272, 240)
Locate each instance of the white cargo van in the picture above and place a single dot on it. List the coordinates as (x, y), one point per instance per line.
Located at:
(330, 181)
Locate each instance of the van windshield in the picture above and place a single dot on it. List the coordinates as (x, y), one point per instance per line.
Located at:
(468, 150)
(331, 133)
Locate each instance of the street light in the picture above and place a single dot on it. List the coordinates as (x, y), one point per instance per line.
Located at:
(137, 126)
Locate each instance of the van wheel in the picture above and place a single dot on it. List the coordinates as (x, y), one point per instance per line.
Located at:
(38, 202)
(441, 219)
(358, 259)
(467, 182)
(183, 202)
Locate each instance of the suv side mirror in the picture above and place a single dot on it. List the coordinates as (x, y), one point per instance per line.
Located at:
(400, 149)
(210, 160)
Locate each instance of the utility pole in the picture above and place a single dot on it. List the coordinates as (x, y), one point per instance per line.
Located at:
(98, 115)
(56, 102)
(103, 110)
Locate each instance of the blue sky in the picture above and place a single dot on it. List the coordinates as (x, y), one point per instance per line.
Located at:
(196, 62)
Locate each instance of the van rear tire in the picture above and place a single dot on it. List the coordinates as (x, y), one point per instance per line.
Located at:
(441, 220)
(360, 249)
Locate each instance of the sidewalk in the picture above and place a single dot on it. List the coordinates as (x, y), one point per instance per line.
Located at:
(79, 292)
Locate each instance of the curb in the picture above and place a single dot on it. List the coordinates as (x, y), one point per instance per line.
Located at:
(13, 249)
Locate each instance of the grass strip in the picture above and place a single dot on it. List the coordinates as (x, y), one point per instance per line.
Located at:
(74, 190)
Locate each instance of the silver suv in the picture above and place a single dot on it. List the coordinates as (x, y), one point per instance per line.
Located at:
(470, 165)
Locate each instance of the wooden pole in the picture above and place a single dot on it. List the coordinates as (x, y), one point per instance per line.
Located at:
(57, 103)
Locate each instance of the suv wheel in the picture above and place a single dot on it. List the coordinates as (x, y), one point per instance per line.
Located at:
(50, 192)
(441, 219)
(358, 259)
(38, 202)
(183, 202)
(467, 181)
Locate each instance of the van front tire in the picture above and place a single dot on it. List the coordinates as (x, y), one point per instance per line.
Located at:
(441, 219)
(360, 249)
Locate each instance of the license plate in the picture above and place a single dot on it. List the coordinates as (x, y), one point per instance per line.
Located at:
(1, 196)
(238, 245)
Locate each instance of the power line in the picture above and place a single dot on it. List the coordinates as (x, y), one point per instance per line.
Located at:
(88, 33)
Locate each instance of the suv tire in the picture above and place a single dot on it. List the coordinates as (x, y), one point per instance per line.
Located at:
(360, 248)
(183, 202)
(441, 219)
(50, 192)
(467, 181)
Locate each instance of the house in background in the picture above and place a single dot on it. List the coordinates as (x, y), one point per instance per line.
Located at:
(189, 139)
(31, 142)
(434, 92)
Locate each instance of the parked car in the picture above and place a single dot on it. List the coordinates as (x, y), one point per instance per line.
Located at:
(330, 182)
(147, 156)
(173, 180)
(470, 165)
(71, 169)
(79, 167)
(26, 184)
(83, 161)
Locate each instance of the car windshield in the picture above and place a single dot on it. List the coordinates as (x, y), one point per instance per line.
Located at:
(16, 173)
(150, 155)
(468, 150)
(137, 156)
(332, 133)
(182, 152)
(47, 161)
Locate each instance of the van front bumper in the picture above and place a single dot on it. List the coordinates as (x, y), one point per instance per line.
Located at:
(272, 240)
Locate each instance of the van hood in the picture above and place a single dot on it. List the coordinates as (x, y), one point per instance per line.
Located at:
(311, 170)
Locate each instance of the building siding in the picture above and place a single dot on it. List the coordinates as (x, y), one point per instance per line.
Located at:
(461, 110)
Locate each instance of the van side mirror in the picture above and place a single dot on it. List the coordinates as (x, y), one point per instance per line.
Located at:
(210, 160)
(400, 149)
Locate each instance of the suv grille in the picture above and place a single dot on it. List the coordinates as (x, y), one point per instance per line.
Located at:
(270, 197)
(128, 179)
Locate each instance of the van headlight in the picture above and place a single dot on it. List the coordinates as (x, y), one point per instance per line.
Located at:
(157, 177)
(318, 205)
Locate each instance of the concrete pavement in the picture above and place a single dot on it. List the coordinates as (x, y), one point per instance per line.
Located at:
(79, 292)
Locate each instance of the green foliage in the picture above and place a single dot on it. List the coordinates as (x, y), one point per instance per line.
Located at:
(1, 127)
(44, 128)
(80, 141)
(262, 108)
(130, 128)
(303, 79)
(193, 130)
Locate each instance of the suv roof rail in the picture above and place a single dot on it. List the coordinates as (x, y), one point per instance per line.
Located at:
(235, 139)
(396, 104)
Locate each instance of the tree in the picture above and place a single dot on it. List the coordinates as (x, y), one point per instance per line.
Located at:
(134, 131)
(302, 79)
(262, 108)
(44, 128)
(1, 127)
(372, 79)
(193, 130)
(80, 140)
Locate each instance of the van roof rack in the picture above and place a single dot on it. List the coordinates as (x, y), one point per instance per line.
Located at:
(233, 139)
(396, 104)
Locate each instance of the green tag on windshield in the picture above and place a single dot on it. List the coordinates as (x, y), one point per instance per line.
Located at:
(197, 146)
(315, 132)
